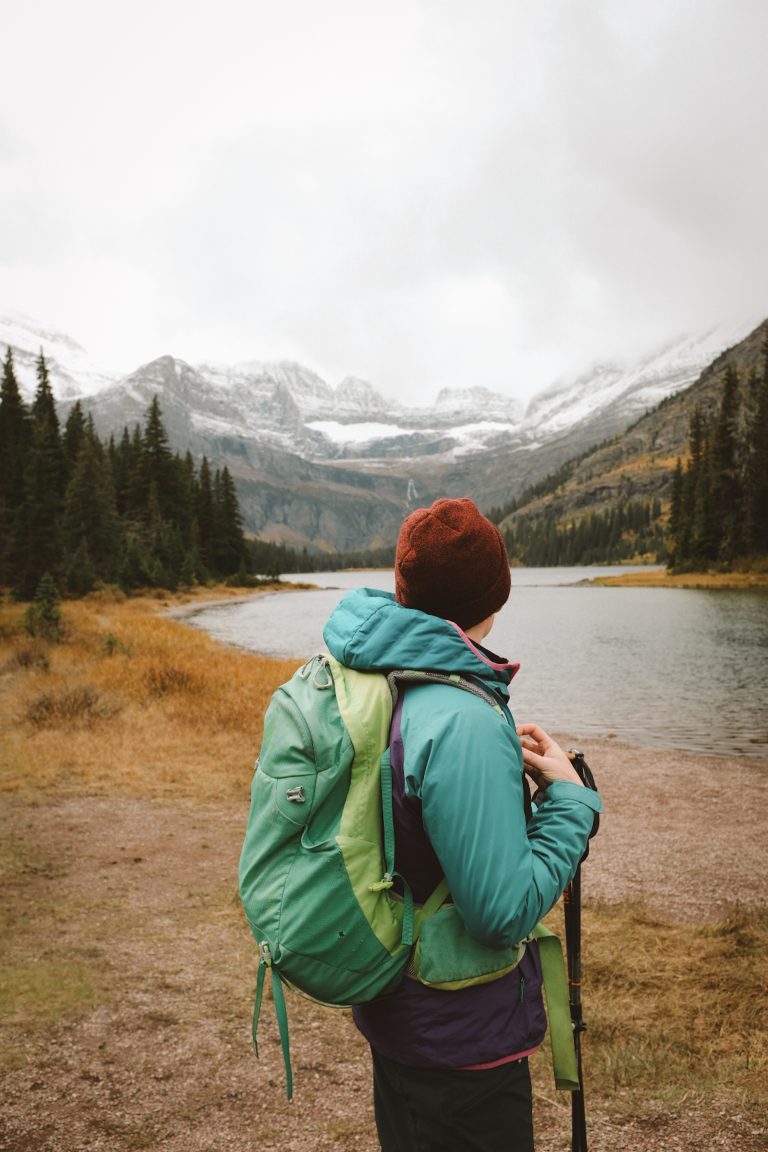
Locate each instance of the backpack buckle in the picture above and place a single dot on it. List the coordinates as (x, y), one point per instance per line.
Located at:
(265, 956)
(382, 885)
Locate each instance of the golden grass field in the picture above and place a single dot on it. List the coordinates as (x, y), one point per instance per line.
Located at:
(126, 753)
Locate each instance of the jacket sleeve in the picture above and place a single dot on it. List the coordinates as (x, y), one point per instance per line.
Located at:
(465, 764)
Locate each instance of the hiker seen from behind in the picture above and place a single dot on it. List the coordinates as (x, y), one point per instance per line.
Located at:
(394, 860)
(450, 1066)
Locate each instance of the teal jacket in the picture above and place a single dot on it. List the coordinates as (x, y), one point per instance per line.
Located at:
(463, 761)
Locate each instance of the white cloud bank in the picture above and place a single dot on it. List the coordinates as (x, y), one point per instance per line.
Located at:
(424, 194)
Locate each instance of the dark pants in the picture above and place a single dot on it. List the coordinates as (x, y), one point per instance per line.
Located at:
(452, 1110)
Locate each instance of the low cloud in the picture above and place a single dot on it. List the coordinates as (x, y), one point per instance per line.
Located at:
(421, 195)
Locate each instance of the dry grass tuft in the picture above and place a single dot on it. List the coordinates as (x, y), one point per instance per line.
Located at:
(675, 1004)
(80, 705)
(28, 656)
(161, 679)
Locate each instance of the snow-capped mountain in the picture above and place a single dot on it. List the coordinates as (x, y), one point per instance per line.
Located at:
(627, 390)
(292, 407)
(336, 467)
(71, 370)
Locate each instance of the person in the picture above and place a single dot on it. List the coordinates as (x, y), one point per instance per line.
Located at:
(450, 1068)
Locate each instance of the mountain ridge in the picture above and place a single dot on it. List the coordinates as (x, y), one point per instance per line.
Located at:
(312, 461)
(638, 464)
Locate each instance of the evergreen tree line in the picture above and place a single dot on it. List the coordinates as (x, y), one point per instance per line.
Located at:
(129, 511)
(630, 529)
(275, 559)
(719, 511)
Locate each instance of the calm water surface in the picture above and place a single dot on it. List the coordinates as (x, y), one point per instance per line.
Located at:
(654, 666)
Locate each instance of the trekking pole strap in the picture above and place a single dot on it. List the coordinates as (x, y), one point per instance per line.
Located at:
(564, 1062)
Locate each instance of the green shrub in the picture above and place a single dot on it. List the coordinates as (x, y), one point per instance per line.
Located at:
(43, 617)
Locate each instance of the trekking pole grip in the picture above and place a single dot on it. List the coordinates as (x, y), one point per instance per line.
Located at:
(584, 772)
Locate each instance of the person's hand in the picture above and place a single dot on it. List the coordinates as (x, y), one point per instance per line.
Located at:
(543, 759)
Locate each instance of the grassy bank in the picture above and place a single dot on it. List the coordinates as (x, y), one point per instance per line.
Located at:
(126, 755)
(130, 702)
(664, 579)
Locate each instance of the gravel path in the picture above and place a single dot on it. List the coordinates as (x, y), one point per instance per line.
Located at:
(133, 904)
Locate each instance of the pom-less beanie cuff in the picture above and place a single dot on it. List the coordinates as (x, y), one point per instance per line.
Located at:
(451, 561)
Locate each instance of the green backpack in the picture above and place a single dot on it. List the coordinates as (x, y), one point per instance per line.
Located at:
(317, 864)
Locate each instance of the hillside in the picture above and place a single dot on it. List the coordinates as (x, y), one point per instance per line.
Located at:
(636, 467)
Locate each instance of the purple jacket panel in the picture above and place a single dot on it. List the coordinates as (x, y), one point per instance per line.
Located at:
(427, 1027)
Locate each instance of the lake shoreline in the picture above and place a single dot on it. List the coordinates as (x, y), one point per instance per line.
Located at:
(192, 606)
(747, 581)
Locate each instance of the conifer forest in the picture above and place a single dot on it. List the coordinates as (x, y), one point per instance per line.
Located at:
(129, 512)
(719, 508)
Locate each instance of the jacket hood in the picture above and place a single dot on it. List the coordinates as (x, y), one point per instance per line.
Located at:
(369, 631)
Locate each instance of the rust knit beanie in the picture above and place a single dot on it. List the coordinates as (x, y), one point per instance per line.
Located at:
(451, 562)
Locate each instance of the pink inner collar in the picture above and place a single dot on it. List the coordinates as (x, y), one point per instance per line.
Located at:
(505, 666)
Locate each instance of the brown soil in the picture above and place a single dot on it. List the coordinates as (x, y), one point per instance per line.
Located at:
(133, 1031)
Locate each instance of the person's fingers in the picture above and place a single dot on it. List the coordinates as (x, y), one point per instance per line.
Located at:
(533, 759)
(538, 733)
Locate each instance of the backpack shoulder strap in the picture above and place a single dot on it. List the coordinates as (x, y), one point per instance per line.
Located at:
(404, 677)
(397, 680)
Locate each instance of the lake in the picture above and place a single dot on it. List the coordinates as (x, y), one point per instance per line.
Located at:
(668, 667)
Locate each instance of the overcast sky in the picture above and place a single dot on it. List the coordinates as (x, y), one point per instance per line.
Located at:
(424, 193)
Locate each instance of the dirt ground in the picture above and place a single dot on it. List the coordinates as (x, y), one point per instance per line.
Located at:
(135, 972)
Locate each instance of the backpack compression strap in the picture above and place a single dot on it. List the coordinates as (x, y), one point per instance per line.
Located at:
(278, 996)
(564, 1062)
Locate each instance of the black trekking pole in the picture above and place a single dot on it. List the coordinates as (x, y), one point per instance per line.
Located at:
(572, 912)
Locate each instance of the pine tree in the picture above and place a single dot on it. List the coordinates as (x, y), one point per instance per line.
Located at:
(36, 535)
(676, 516)
(134, 564)
(44, 405)
(157, 461)
(136, 490)
(43, 617)
(91, 527)
(726, 490)
(74, 434)
(185, 487)
(15, 436)
(758, 439)
(80, 575)
(206, 518)
(231, 550)
(686, 513)
(120, 460)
